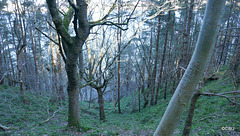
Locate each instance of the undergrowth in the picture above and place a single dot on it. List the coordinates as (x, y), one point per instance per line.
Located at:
(41, 116)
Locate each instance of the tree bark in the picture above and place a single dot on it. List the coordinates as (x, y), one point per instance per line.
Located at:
(162, 60)
(187, 37)
(119, 57)
(149, 71)
(220, 61)
(101, 104)
(195, 69)
(188, 122)
(60, 92)
(73, 95)
(1, 75)
(183, 59)
(72, 47)
(154, 75)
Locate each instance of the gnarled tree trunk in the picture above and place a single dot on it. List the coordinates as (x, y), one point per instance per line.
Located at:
(72, 47)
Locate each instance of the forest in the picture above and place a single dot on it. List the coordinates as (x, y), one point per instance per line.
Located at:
(120, 67)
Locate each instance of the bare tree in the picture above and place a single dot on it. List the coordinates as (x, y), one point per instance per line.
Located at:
(73, 46)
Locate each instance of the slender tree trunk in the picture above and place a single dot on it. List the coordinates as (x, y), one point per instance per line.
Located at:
(183, 59)
(35, 63)
(187, 37)
(188, 122)
(90, 99)
(119, 58)
(1, 64)
(220, 61)
(162, 60)
(195, 69)
(13, 39)
(154, 74)
(139, 99)
(12, 67)
(143, 84)
(149, 71)
(173, 79)
(228, 46)
(20, 75)
(168, 61)
(234, 66)
(60, 92)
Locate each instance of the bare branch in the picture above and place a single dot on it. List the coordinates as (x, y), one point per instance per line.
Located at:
(50, 25)
(118, 25)
(222, 95)
(128, 19)
(72, 4)
(109, 23)
(105, 17)
(47, 36)
(61, 50)
(58, 22)
(51, 116)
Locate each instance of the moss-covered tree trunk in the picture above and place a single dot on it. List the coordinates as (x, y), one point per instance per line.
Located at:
(72, 46)
(195, 69)
(73, 94)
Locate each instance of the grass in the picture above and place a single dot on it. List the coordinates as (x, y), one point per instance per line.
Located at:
(211, 114)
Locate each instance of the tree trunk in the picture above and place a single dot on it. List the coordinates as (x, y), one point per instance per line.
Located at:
(1, 75)
(155, 62)
(183, 59)
(139, 99)
(33, 47)
(54, 68)
(187, 37)
(168, 59)
(60, 92)
(225, 39)
(101, 104)
(73, 95)
(119, 56)
(72, 47)
(90, 99)
(149, 71)
(162, 60)
(195, 69)
(188, 122)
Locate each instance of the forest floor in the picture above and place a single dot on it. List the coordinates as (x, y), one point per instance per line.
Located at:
(41, 116)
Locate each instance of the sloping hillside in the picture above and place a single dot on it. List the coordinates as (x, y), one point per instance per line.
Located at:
(41, 116)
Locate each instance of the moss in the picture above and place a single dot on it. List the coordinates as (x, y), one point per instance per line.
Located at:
(67, 17)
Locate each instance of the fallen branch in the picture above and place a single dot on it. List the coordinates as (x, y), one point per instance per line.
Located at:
(202, 119)
(223, 95)
(45, 121)
(6, 128)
